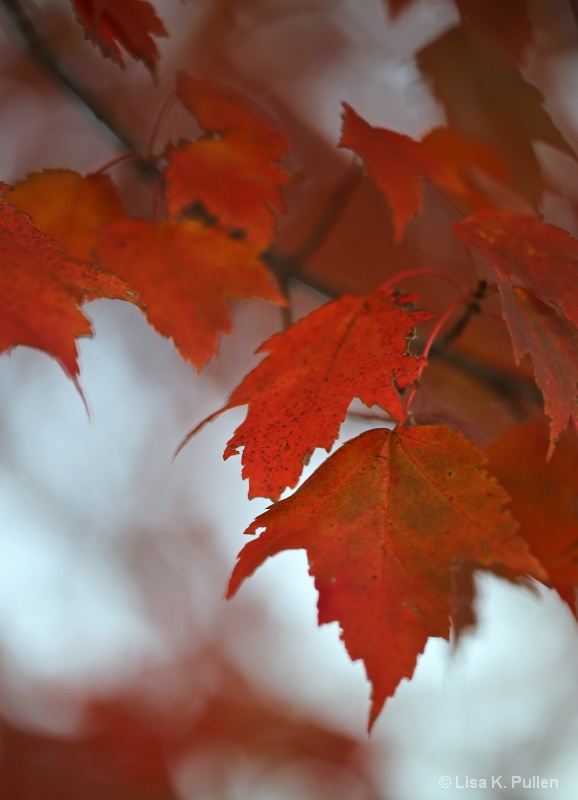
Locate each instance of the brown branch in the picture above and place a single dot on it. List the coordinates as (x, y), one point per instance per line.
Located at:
(333, 210)
(500, 382)
(45, 58)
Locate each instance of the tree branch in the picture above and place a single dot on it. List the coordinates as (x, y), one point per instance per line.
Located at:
(333, 210)
(45, 58)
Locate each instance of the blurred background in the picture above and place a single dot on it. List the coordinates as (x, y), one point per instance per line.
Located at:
(123, 672)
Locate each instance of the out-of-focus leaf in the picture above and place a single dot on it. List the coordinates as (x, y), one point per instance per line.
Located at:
(130, 24)
(486, 97)
(544, 497)
(69, 206)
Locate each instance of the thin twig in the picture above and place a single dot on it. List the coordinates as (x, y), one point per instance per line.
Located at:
(49, 64)
(333, 210)
(502, 383)
(473, 307)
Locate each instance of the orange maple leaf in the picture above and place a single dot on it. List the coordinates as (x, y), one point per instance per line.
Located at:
(397, 163)
(384, 521)
(537, 272)
(130, 23)
(233, 170)
(298, 396)
(186, 275)
(69, 206)
(41, 288)
(543, 497)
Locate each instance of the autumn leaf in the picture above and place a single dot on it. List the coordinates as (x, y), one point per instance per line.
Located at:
(544, 497)
(233, 170)
(130, 24)
(485, 96)
(69, 206)
(298, 396)
(41, 289)
(534, 255)
(384, 521)
(507, 24)
(397, 163)
(552, 341)
(537, 269)
(186, 274)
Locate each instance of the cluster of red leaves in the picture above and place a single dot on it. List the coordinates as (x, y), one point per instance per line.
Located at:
(184, 273)
(389, 518)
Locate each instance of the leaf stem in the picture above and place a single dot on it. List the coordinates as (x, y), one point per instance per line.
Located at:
(443, 318)
(472, 308)
(113, 162)
(422, 272)
(164, 111)
(335, 206)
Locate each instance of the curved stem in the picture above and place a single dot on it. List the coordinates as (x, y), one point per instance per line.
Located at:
(422, 272)
(165, 108)
(432, 337)
(113, 162)
(337, 202)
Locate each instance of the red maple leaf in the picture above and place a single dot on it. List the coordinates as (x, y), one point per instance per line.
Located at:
(544, 497)
(537, 271)
(186, 275)
(298, 396)
(397, 164)
(41, 289)
(552, 341)
(129, 23)
(384, 521)
(233, 170)
(528, 253)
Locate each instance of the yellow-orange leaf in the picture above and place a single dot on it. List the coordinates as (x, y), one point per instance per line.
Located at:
(69, 206)
(385, 520)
